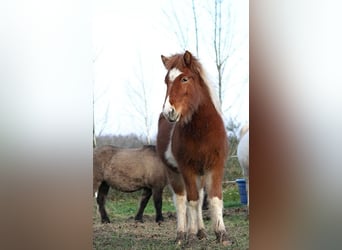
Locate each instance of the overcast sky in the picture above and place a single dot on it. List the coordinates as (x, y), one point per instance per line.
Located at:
(128, 39)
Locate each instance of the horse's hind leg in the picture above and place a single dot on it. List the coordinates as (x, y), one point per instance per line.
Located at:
(158, 203)
(147, 192)
(205, 203)
(101, 200)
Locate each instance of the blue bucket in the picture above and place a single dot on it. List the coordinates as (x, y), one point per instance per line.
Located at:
(242, 190)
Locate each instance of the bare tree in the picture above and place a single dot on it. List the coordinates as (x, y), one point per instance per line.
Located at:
(175, 18)
(102, 121)
(222, 40)
(94, 136)
(195, 23)
(218, 17)
(138, 96)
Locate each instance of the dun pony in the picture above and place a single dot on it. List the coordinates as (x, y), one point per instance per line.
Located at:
(129, 170)
(193, 143)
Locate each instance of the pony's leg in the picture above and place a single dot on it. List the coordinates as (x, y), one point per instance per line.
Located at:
(205, 205)
(201, 234)
(96, 185)
(214, 187)
(147, 192)
(101, 200)
(179, 199)
(192, 185)
(158, 203)
(97, 179)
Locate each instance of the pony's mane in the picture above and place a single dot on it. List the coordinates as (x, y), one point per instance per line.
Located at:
(176, 61)
(212, 92)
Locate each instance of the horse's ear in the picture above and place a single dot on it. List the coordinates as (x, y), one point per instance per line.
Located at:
(187, 58)
(165, 60)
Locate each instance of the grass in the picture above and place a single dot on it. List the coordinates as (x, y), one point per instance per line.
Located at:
(125, 233)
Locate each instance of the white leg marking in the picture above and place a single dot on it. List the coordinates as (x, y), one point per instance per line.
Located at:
(216, 206)
(95, 195)
(174, 73)
(200, 203)
(193, 216)
(180, 203)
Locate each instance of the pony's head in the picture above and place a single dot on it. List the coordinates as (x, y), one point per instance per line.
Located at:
(185, 87)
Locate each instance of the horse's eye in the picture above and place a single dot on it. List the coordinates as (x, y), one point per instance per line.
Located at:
(184, 79)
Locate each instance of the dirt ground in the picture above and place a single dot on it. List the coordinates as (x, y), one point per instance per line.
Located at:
(125, 233)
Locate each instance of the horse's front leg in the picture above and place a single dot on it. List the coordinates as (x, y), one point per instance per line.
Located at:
(145, 196)
(195, 199)
(158, 203)
(101, 200)
(201, 234)
(179, 199)
(214, 187)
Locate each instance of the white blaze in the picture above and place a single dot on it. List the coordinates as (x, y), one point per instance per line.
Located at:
(174, 73)
(167, 106)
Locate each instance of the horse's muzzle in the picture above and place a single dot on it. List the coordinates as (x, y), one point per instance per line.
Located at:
(171, 114)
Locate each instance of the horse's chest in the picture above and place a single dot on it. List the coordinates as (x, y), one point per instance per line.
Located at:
(187, 149)
(169, 155)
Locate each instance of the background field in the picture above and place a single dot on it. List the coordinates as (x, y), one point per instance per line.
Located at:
(124, 233)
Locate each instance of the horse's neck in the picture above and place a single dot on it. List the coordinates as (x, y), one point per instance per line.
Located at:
(205, 117)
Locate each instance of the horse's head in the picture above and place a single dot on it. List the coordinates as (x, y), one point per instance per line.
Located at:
(183, 93)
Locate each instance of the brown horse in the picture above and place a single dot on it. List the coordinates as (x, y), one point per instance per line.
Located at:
(193, 143)
(129, 170)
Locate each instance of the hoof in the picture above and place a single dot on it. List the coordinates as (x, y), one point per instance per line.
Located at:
(180, 238)
(192, 238)
(105, 221)
(159, 219)
(138, 218)
(201, 234)
(222, 237)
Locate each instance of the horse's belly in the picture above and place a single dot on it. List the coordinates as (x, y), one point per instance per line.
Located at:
(124, 182)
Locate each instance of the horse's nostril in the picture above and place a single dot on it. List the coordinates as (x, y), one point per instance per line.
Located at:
(170, 113)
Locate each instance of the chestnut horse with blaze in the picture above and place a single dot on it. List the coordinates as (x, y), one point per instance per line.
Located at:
(193, 144)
